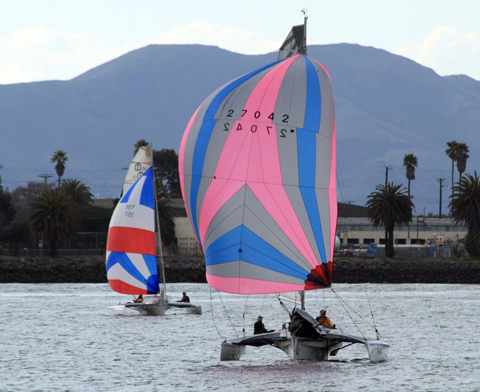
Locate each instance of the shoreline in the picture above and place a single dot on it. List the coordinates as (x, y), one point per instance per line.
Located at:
(91, 269)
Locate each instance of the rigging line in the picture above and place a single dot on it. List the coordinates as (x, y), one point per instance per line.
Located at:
(353, 310)
(226, 312)
(213, 318)
(379, 337)
(244, 312)
(351, 318)
(370, 306)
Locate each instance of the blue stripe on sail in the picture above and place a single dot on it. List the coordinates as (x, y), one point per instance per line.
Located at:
(201, 146)
(254, 251)
(122, 258)
(306, 145)
(126, 196)
(313, 107)
(203, 139)
(146, 197)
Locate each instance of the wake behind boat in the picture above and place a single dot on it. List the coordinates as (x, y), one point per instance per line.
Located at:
(134, 242)
(257, 168)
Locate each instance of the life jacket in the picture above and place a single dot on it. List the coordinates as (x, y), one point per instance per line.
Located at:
(324, 321)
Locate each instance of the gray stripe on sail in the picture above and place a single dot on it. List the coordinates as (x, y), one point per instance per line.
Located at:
(295, 196)
(251, 213)
(327, 120)
(324, 210)
(229, 217)
(237, 99)
(258, 220)
(250, 271)
(292, 96)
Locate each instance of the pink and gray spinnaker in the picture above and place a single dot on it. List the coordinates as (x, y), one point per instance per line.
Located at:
(257, 171)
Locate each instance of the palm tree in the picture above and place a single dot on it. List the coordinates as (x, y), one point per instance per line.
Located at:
(465, 209)
(389, 206)
(462, 156)
(451, 152)
(60, 157)
(79, 192)
(140, 143)
(54, 213)
(410, 162)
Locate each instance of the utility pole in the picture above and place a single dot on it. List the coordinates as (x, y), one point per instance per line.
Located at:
(45, 176)
(386, 173)
(440, 180)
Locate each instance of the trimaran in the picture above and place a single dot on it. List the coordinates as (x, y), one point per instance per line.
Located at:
(134, 242)
(257, 171)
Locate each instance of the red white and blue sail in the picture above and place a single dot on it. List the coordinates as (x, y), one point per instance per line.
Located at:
(257, 171)
(131, 249)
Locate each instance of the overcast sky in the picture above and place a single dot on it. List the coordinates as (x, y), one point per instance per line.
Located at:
(50, 39)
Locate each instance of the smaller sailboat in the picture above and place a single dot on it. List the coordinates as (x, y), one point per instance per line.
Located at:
(133, 244)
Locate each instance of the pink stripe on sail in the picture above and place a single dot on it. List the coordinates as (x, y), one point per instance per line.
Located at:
(238, 163)
(233, 162)
(332, 194)
(250, 286)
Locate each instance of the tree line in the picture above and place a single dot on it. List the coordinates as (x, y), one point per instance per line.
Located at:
(52, 213)
(391, 204)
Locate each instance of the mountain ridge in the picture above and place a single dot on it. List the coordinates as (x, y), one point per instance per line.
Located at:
(386, 106)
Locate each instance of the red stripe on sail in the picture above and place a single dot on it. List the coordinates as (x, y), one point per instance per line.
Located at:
(320, 277)
(131, 240)
(125, 288)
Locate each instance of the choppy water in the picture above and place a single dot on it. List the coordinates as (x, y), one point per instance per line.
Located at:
(59, 337)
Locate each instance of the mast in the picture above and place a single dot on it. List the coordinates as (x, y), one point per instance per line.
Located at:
(303, 49)
(157, 221)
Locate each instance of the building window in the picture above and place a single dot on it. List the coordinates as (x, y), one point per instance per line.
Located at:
(401, 241)
(367, 241)
(382, 241)
(352, 241)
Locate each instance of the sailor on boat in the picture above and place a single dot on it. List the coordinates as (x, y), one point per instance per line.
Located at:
(323, 320)
(184, 298)
(139, 299)
(259, 328)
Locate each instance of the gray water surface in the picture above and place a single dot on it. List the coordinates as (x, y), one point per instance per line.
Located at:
(59, 337)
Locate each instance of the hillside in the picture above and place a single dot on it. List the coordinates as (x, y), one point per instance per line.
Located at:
(386, 106)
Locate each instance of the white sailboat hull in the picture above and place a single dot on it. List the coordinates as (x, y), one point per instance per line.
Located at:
(116, 310)
(149, 309)
(307, 349)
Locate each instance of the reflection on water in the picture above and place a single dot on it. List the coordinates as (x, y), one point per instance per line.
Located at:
(60, 337)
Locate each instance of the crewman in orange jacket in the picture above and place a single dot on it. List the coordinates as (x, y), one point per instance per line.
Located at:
(323, 320)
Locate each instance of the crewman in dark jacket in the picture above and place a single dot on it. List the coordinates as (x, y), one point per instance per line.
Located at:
(184, 298)
(258, 327)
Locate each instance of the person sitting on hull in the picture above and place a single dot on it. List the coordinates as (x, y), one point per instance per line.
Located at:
(184, 298)
(323, 320)
(139, 299)
(259, 328)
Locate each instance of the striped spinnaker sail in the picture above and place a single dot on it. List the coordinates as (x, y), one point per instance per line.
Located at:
(131, 252)
(257, 170)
